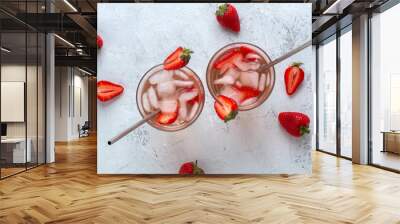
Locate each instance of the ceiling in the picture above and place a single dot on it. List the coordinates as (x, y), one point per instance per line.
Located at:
(75, 21)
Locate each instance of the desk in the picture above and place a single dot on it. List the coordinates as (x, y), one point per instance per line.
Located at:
(391, 141)
(17, 150)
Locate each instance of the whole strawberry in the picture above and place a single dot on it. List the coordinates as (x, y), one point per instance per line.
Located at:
(190, 168)
(99, 42)
(228, 17)
(295, 123)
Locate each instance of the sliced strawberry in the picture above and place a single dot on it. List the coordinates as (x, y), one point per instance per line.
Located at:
(107, 90)
(294, 76)
(166, 118)
(175, 55)
(246, 92)
(226, 61)
(178, 59)
(252, 57)
(194, 100)
(226, 108)
(245, 50)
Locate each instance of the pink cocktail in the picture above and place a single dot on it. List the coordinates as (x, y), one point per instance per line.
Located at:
(178, 94)
(234, 71)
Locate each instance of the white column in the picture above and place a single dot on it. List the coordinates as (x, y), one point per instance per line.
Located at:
(50, 100)
(360, 90)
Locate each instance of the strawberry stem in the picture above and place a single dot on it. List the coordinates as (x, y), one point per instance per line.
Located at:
(221, 9)
(297, 64)
(304, 130)
(185, 56)
(231, 116)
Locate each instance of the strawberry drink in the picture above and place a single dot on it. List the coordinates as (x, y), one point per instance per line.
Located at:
(178, 94)
(234, 72)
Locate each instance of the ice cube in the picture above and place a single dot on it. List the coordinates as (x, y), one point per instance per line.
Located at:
(181, 83)
(262, 82)
(232, 93)
(168, 105)
(153, 97)
(193, 111)
(249, 79)
(180, 74)
(225, 80)
(246, 66)
(189, 95)
(145, 102)
(254, 65)
(238, 84)
(248, 101)
(166, 89)
(252, 57)
(232, 72)
(161, 76)
(182, 111)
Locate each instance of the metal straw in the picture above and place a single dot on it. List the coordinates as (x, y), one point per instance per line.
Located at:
(285, 56)
(133, 127)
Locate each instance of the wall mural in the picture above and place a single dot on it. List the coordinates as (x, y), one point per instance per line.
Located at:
(194, 88)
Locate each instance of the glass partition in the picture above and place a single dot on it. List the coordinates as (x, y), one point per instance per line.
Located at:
(327, 96)
(22, 77)
(346, 93)
(14, 153)
(385, 89)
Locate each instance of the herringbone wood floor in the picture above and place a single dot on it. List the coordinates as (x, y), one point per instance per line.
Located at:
(69, 191)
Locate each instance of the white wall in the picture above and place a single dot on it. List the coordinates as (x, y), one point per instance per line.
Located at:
(16, 73)
(70, 83)
(33, 127)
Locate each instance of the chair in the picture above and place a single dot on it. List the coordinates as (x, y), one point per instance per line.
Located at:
(84, 130)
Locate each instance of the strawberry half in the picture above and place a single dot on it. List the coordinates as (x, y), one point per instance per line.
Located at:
(226, 108)
(227, 60)
(107, 90)
(246, 92)
(168, 118)
(245, 50)
(196, 99)
(228, 17)
(295, 123)
(178, 59)
(294, 76)
(190, 168)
